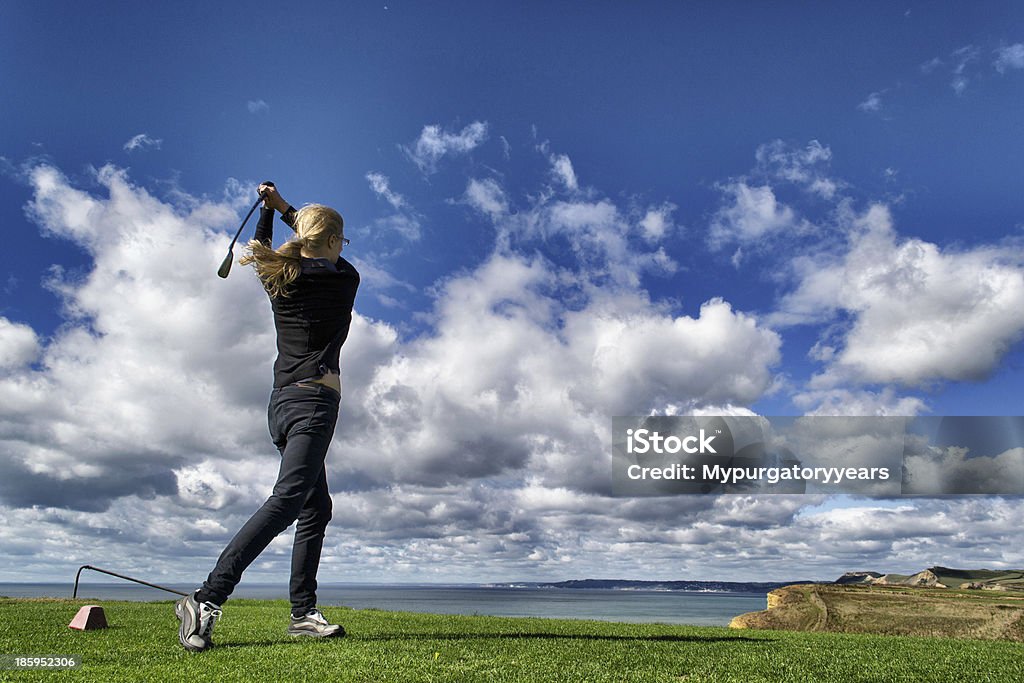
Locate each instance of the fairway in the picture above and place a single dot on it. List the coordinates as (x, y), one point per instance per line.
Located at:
(142, 644)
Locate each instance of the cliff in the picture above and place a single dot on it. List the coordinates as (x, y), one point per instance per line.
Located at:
(901, 610)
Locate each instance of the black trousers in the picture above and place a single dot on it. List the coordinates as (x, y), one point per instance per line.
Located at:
(302, 420)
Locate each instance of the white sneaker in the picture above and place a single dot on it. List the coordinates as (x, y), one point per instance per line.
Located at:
(197, 620)
(314, 624)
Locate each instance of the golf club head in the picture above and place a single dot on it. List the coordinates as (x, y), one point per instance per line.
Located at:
(225, 267)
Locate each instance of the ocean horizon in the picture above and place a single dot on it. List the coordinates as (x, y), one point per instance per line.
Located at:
(632, 605)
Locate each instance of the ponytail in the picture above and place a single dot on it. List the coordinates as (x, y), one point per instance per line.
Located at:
(314, 224)
(276, 268)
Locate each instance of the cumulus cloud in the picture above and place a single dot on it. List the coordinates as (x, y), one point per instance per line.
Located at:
(657, 222)
(541, 388)
(945, 471)
(142, 141)
(856, 402)
(435, 143)
(622, 243)
(611, 243)
(1009, 57)
(890, 309)
(155, 404)
(918, 313)
(964, 455)
(478, 448)
(751, 214)
(131, 387)
(838, 442)
(19, 345)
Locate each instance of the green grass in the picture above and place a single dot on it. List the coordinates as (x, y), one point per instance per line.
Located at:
(142, 645)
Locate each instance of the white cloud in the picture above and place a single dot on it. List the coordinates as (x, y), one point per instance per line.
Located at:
(132, 384)
(918, 313)
(19, 345)
(478, 449)
(646, 359)
(657, 222)
(599, 235)
(380, 184)
(561, 168)
(150, 402)
(142, 141)
(872, 103)
(943, 471)
(805, 167)
(752, 214)
(1009, 57)
(535, 397)
(856, 403)
(487, 197)
(404, 221)
(435, 143)
(257, 106)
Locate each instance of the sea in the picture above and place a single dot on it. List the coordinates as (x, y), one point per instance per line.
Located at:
(698, 608)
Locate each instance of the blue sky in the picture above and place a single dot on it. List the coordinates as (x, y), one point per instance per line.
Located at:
(562, 211)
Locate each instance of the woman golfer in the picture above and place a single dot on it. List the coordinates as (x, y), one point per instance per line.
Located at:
(311, 291)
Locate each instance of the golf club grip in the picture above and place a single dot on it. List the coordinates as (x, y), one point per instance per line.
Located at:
(225, 266)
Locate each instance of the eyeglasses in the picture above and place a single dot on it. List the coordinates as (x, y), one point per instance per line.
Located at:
(345, 241)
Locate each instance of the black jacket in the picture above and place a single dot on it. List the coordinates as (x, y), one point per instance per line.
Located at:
(313, 318)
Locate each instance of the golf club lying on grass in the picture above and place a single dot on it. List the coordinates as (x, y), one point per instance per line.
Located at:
(225, 267)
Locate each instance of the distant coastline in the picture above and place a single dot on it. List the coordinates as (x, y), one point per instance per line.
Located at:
(700, 608)
(634, 585)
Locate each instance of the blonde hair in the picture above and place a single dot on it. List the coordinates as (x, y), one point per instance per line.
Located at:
(277, 268)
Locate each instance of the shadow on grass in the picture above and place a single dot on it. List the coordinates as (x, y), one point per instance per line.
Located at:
(499, 636)
(264, 643)
(559, 636)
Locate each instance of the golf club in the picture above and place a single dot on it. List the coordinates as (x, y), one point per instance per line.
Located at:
(225, 267)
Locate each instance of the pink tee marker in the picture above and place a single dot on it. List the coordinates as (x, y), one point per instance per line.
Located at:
(88, 618)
